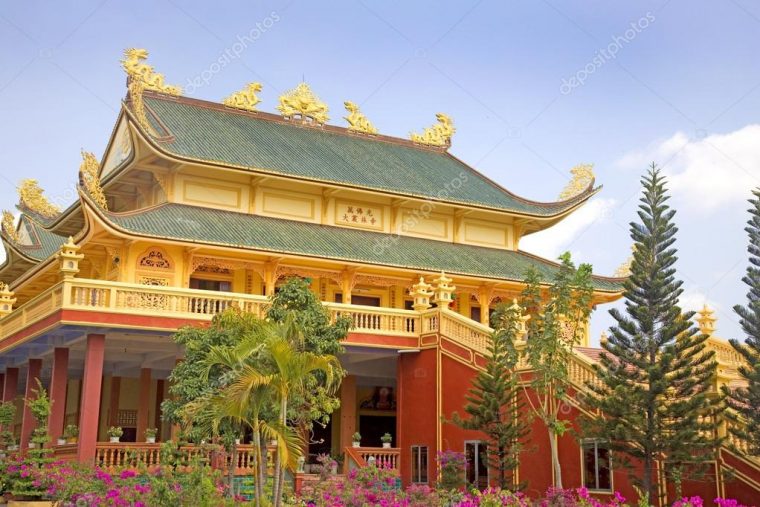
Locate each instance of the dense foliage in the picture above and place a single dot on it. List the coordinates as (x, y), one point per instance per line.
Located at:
(745, 401)
(655, 372)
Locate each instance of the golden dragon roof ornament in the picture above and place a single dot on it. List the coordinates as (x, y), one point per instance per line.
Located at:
(89, 179)
(624, 270)
(357, 122)
(30, 195)
(302, 103)
(9, 227)
(244, 99)
(437, 135)
(583, 176)
(141, 77)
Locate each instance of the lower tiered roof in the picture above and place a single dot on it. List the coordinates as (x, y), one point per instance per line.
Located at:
(280, 236)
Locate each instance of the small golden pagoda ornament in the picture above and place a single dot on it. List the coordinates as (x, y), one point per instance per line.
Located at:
(421, 293)
(443, 290)
(31, 196)
(9, 227)
(7, 300)
(245, 99)
(89, 179)
(357, 122)
(69, 258)
(706, 320)
(522, 321)
(582, 177)
(303, 104)
(437, 135)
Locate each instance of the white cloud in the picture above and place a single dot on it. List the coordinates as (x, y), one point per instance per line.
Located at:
(551, 242)
(693, 299)
(708, 172)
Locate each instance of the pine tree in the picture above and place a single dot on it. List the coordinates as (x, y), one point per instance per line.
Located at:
(745, 401)
(655, 374)
(494, 404)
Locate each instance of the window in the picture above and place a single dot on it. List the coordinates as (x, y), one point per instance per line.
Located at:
(597, 474)
(419, 464)
(217, 285)
(476, 454)
(475, 313)
(359, 300)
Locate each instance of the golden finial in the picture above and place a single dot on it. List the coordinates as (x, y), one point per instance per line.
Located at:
(706, 320)
(301, 102)
(30, 195)
(522, 320)
(244, 99)
(89, 179)
(583, 176)
(138, 71)
(624, 270)
(437, 135)
(604, 338)
(357, 122)
(141, 77)
(9, 227)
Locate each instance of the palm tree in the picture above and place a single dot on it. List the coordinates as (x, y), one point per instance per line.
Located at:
(261, 375)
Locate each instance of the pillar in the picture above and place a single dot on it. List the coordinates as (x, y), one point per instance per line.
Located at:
(348, 424)
(92, 380)
(143, 406)
(58, 384)
(10, 386)
(27, 420)
(157, 411)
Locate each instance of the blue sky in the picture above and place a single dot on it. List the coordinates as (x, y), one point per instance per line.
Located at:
(675, 82)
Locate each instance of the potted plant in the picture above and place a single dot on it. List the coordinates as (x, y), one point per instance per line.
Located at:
(71, 433)
(115, 433)
(356, 439)
(150, 435)
(386, 440)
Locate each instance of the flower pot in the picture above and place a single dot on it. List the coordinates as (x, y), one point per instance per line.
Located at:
(150, 440)
(386, 445)
(72, 440)
(356, 444)
(114, 440)
(301, 463)
(13, 447)
(61, 441)
(237, 441)
(32, 445)
(273, 443)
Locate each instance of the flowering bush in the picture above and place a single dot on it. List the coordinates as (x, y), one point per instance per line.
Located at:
(452, 466)
(578, 497)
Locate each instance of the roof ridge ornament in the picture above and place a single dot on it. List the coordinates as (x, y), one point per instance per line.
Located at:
(138, 71)
(624, 270)
(89, 179)
(141, 77)
(582, 177)
(9, 227)
(31, 197)
(301, 102)
(357, 121)
(438, 134)
(245, 99)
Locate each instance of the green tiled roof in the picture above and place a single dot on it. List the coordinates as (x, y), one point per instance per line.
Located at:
(212, 226)
(49, 243)
(209, 132)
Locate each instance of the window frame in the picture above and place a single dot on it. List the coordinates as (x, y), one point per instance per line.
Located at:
(418, 463)
(595, 444)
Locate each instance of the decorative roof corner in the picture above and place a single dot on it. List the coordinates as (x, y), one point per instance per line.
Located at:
(438, 135)
(31, 197)
(582, 179)
(141, 77)
(9, 227)
(89, 179)
(245, 99)
(357, 122)
(302, 103)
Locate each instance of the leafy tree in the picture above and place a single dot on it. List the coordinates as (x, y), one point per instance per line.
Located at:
(745, 401)
(494, 404)
(22, 484)
(655, 373)
(556, 325)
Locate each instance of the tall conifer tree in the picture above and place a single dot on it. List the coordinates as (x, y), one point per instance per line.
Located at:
(746, 400)
(494, 404)
(655, 372)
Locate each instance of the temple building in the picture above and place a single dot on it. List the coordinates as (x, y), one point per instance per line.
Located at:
(198, 206)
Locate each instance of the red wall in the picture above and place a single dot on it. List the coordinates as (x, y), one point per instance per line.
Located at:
(416, 408)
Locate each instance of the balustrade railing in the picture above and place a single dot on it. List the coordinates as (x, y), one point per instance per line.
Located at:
(380, 457)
